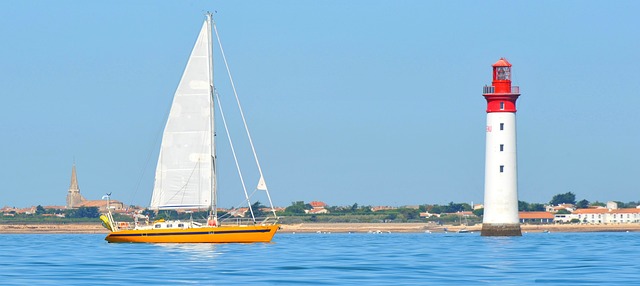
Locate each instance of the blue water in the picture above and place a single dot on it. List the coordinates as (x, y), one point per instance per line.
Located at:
(327, 259)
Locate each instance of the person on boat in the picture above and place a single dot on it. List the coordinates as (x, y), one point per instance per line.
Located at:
(212, 221)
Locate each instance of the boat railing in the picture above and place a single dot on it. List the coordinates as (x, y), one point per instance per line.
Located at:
(270, 220)
(248, 221)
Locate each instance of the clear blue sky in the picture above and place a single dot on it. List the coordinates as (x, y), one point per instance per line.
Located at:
(369, 102)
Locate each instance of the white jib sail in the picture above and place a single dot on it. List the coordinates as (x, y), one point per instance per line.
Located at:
(184, 170)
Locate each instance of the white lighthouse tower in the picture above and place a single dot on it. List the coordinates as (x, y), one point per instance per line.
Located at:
(501, 170)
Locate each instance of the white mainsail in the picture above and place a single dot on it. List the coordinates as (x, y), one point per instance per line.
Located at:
(184, 177)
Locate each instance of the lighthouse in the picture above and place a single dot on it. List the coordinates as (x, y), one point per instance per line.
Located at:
(501, 171)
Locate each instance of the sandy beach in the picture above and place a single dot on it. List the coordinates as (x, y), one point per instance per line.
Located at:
(425, 227)
(339, 228)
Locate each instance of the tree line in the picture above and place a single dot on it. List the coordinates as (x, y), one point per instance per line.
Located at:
(300, 207)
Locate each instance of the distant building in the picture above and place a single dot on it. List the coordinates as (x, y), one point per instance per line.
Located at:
(317, 211)
(102, 205)
(596, 216)
(535, 217)
(600, 216)
(382, 208)
(555, 209)
(317, 204)
(10, 211)
(74, 198)
(465, 213)
(428, 215)
(318, 208)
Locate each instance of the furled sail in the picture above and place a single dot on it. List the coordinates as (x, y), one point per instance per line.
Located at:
(184, 171)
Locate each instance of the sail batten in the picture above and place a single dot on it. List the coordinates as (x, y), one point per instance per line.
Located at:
(184, 170)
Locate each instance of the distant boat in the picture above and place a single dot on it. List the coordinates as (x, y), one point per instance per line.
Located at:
(464, 229)
(186, 169)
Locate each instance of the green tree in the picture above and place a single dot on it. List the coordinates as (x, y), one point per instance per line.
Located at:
(257, 210)
(295, 208)
(409, 213)
(85, 212)
(450, 208)
(566, 198)
(563, 211)
(582, 204)
(390, 215)
(536, 207)
(151, 214)
(40, 210)
(479, 212)
(437, 209)
(456, 207)
(523, 206)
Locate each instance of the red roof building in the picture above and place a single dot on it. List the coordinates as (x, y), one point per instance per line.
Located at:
(317, 204)
(535, 217)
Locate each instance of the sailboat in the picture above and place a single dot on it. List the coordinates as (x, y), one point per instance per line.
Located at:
(464, 228)
(186, 174)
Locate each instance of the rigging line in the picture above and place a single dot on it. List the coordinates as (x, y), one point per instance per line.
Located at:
(181, 190)
(235, 93)
(237, 206)
(244, 121)
(233, 151)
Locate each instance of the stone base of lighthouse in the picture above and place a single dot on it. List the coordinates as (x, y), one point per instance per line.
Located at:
(501, 229)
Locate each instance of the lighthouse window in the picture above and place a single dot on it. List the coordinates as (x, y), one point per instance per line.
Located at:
(501, 168)
(501, 147)
(501, 126)
(501, 105)
(503, 73)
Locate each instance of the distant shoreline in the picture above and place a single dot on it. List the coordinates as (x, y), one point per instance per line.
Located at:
(96, 228)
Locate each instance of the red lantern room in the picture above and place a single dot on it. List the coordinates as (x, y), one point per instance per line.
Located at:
(501, 96)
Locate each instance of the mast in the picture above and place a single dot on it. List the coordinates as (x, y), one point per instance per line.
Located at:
(214, 187)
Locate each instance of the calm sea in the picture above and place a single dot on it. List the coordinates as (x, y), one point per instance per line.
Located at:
(327, 259)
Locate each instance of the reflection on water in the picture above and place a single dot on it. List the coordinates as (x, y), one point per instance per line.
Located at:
(334, 259)
(192, 250)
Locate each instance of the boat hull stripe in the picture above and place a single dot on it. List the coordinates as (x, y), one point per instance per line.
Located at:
(190, 233)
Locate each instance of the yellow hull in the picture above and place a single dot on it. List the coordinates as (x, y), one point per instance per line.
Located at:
(222, 234)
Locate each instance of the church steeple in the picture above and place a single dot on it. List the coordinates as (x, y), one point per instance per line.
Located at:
(74, 180)
(74, 198)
